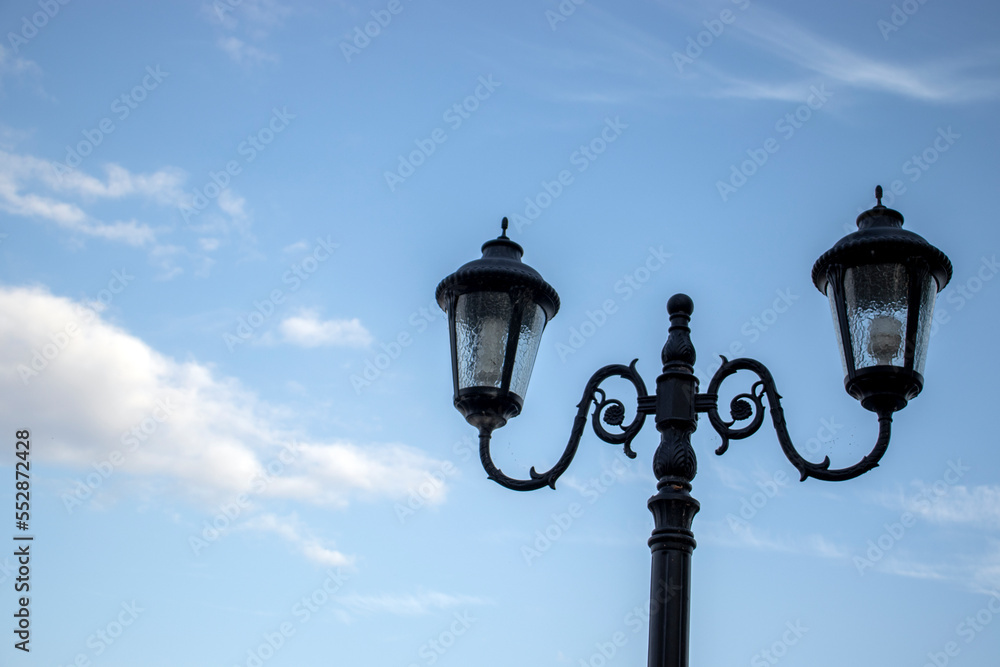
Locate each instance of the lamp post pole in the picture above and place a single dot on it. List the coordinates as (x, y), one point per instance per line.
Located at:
(673, 507)
(881, 281)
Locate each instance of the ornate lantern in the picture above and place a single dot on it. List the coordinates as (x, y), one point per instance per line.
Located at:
(882, 281)
(497, 309)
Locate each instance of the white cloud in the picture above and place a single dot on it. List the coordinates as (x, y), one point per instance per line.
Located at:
(744, 535)
(253, 20)
(20, 173)
(976, 506)
(15, 65)
(412, 604)
(259, 15)
(232, 205)
(610, 61)
(939, 80)
(307, 330)
(243, 53)
(265, 14)
(290, 528)
(90, 384)
(297, 247)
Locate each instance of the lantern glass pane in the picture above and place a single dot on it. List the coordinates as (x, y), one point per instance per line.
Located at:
(928, 295)
(529, 337)
(482, 320)
(832, 298)
(876, 300)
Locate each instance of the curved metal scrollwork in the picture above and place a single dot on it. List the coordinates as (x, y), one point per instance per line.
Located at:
(611, 410)
(750, 406)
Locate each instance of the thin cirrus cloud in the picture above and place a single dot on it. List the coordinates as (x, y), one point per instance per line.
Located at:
(50, 192)
(13, 65)
(307, 330)
(608, 60)
(245, 54)
(975, 506)
(411, 604)
(254, 20)
(292, 531)
(946, 80)
(90, 385)
(36, 188)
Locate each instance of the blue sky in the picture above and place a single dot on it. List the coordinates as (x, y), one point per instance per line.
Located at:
(222, 226)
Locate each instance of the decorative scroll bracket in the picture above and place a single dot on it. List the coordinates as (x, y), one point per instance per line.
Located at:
(750, 406)
(611, 410)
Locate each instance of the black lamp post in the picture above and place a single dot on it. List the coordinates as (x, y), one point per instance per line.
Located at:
(881, 281)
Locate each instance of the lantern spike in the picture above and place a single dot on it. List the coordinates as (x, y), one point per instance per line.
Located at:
(503, 228)
(878, 195)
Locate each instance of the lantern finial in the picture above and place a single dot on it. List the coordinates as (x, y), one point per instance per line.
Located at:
(503, 228)
(878, 195)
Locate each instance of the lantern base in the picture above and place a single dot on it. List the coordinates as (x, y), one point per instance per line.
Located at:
(884, 388)
(488, 408)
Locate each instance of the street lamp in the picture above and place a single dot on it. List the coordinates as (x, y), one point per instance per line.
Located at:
(881, 282)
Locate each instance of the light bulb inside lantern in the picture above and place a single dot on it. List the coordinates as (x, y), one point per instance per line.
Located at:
(885, 335)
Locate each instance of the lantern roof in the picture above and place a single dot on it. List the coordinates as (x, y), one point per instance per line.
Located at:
(499, 269)
(881, 239)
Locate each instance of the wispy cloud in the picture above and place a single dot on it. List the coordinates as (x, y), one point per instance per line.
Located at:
(607, 60)
(51, 192)
(410, 604)
(308, 330)
(253, 20)
(12, 65)
(35, 188)
(977, 506)
(749, 537)
(245, 54)
(291, 530)
(946, 80)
